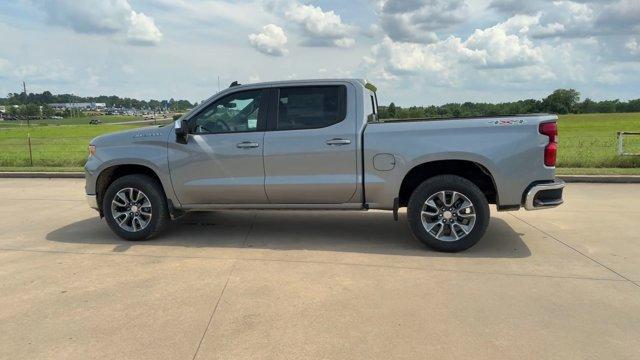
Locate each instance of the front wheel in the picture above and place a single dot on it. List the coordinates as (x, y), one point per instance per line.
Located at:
(448, 213)
(135, 207)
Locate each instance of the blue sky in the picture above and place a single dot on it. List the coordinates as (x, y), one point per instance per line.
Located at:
(418, 52)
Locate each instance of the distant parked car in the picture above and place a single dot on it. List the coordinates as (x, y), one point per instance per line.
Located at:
(95, 122)
(56, 117)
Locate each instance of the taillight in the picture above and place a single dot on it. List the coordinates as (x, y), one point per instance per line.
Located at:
(550, 129)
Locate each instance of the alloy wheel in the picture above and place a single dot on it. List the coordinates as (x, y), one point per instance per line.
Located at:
(131, 209)
(448, 215)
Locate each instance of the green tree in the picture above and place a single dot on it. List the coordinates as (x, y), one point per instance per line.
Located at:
(392, 111)
(562, 101)
(47, 111)
(13, 110)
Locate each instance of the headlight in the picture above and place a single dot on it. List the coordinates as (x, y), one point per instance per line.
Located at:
(92, 150)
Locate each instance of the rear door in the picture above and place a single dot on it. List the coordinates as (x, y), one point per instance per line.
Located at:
(310, 146)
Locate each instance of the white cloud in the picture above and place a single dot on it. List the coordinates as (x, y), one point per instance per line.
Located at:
(143, 30)
(402, 57)
(633, 46)
(566, 18)
(501, 46)
(514, 7)
(576, 18)
(321, 28)
(616, 74)
(620, 17)
(419, 20)
(497, 47)
(344, 42)
(271, 41)
(102, 17)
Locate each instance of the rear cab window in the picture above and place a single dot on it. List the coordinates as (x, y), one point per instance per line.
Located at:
(311, 107)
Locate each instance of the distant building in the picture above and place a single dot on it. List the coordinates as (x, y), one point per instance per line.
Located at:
(81, 106)
(3, 109)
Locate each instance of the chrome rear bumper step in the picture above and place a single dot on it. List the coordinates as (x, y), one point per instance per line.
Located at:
(544, 196)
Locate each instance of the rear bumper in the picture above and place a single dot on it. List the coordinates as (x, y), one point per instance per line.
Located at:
(544, 196)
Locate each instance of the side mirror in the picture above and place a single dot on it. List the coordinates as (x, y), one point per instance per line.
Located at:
(182, 131)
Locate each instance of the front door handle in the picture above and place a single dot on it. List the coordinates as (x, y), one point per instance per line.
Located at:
(247, 145)
(338, 142)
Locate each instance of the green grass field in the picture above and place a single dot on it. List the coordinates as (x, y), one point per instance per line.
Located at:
(589, 140)
(587, 143)
(51, 146)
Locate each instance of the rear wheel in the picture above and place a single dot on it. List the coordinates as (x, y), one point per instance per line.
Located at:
(448, 213)
(135, 207)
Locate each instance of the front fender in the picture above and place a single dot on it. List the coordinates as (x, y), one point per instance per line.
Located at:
(154, 158)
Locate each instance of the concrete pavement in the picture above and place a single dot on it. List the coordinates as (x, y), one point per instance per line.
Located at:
(562, 283)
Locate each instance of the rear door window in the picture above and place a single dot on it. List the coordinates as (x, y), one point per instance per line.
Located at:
(311, 107)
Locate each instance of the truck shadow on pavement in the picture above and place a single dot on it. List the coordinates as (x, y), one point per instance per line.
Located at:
(336, 231)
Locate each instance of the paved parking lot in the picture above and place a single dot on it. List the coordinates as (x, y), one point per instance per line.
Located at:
(563, 283)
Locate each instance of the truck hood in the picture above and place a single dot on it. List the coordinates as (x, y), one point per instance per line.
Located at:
(145, 134)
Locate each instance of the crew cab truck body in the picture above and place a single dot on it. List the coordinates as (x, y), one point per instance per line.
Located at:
(318, 144)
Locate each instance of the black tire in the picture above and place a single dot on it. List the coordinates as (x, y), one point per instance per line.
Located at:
(153, 191)
(448, 183)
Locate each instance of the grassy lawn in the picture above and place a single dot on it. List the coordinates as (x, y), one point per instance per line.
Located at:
(59, 146)
(587, 143)
(41, 169)
(598, 171)
(589, 140)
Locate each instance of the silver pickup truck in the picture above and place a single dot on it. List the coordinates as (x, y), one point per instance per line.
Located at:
(319, 144)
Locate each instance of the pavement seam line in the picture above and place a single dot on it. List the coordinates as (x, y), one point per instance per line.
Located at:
(246, 236)
(578, 251)
(318, 263)
(215, 308)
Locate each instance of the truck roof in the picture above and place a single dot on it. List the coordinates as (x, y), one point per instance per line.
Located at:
(302, 81)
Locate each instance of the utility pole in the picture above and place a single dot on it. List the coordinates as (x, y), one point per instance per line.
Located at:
(24, 87)
(218, 83)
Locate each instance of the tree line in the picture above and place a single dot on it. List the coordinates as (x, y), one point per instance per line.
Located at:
(47, 97)
(561, 101)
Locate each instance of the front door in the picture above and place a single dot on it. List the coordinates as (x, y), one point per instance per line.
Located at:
(310, 152)
(222, 161)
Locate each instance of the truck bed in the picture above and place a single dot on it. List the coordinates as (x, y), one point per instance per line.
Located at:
(510, 148)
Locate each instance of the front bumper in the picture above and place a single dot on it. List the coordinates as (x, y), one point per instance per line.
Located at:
(92, 200)
(544, 196)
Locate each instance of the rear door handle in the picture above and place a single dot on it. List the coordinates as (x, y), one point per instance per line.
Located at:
(338, 142)
(247, 145)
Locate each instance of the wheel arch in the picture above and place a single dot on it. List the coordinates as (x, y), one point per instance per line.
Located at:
(114, 172)
(470, 170)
